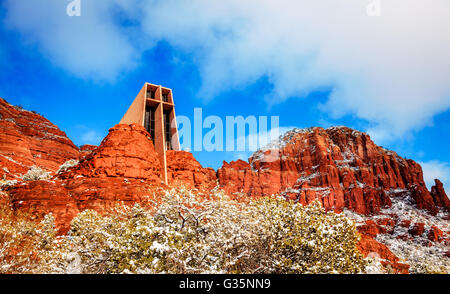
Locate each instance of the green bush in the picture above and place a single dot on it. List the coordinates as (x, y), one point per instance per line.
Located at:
(187, 232)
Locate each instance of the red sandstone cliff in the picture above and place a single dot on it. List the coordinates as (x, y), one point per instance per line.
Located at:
(439, 195)
(28, 139)
(124, 169)
(126, 152)
(86, 149)
(341, 167)
(183, 168)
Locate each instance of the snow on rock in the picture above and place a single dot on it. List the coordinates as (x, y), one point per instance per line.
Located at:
(340, 166)
(27, 139)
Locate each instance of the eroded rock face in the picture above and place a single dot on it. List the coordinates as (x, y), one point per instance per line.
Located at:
(66, 198)
(435, 234)
(341, 167)
(439, 195)
(183, 168)
(126, 152)
(28, 139)
(86, 149)
(368, 246)
(124, 169)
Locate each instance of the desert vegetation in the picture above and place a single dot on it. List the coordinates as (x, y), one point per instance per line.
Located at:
(186, 232)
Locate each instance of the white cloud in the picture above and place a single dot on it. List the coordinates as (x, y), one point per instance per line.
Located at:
(260, 140)
(82, 134)
(436, 170)
(392, 70)
(255, 141)
(90, 46)
(91, 137)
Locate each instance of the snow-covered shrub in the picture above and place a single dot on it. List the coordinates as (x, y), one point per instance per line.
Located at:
(191, 233)
(23, 242)
(66, 165)
(374, 266)
(421, 258)
(415, 252)
(7, 183)
(186, 232)
(36, 173)
(268, 235)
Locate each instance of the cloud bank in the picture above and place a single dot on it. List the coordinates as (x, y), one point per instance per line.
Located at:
(392, 70)
(91, 46)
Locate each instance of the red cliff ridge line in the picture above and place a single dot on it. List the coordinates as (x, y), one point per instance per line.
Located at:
(123, 169)
(340, 167)
(28, 139)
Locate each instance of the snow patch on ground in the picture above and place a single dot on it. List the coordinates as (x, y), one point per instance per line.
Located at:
(414, 251)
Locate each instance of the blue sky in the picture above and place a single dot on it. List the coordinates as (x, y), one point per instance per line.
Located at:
(312, 64)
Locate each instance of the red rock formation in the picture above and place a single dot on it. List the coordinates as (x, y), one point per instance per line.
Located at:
(418, 229)
(339, 166)
(368, 245)
(423, 198)
(381, 226)
(124, 169)
(405, 223)
(183, 168)
(371, 229)
(126, 152)
(435, 234)
(387, 222)
(65, 199)
(28, 139)
(439, 195)
(86, 149)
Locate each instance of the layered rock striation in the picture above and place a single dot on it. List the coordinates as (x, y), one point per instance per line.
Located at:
(124, 169)
(127, 151)
(184, 169)
(27, 139)
(340, 167)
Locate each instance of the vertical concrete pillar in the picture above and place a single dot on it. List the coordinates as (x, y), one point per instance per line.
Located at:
(136, 114)
(159, 135)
